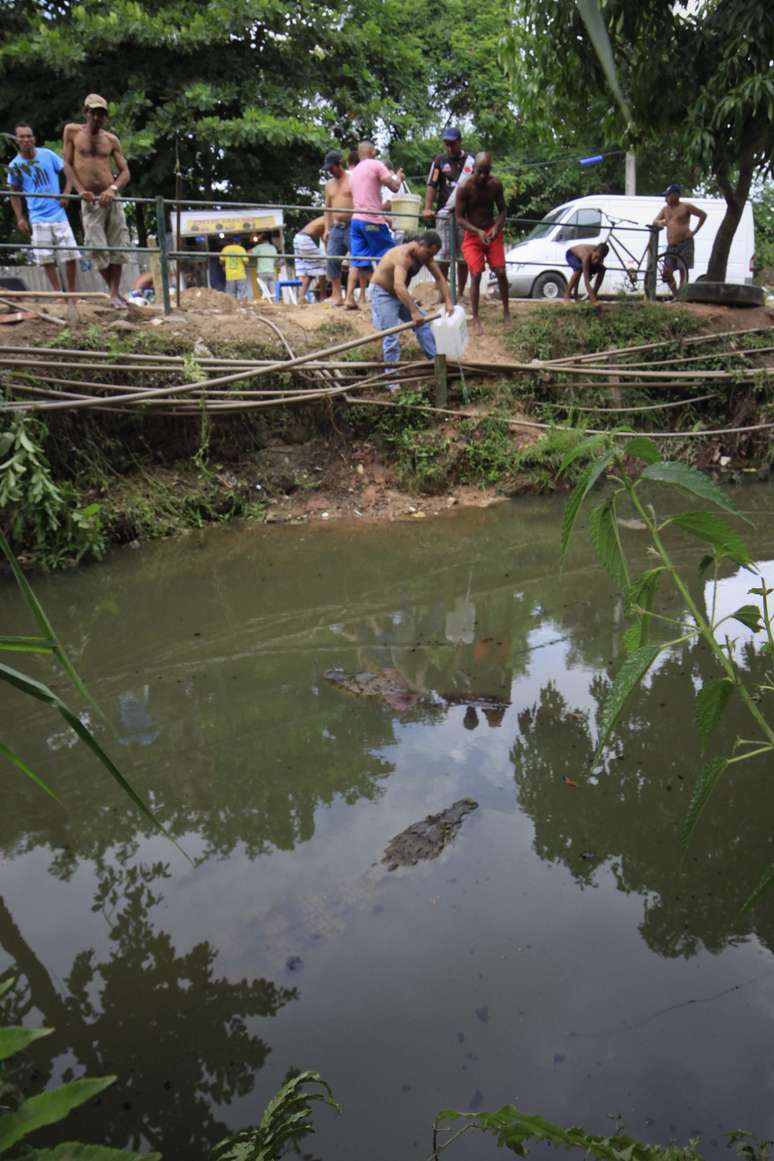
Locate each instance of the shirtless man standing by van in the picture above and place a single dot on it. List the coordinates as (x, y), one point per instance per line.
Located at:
(676, 216)
(90, 153)
(338, 196)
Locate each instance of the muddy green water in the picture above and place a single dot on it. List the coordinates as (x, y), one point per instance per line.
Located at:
(556, 955)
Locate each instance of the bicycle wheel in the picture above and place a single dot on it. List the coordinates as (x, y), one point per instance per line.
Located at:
(673, 265)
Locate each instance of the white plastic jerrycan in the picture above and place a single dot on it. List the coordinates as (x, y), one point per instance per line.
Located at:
(451, 333)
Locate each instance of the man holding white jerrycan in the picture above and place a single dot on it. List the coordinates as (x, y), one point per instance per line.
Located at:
(392, 304)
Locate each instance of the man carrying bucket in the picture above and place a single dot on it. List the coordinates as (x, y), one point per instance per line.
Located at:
(391, 302)
(370, 235)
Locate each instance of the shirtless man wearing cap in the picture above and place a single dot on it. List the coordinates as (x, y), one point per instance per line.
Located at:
(90, 153)
(338, 197)
(676, 216)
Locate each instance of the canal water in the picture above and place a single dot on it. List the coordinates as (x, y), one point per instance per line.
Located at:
(558, 954)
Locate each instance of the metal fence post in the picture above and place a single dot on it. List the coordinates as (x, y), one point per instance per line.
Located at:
(161, 235)
(651, 274)
(453, 255)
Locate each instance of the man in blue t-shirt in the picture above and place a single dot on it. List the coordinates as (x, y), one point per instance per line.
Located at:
(36, 171)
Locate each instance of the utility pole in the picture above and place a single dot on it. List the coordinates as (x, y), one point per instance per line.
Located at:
(630, 183)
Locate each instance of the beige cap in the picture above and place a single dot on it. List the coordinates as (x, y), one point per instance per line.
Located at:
(94, 101)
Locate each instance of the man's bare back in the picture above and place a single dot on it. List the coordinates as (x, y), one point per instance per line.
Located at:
(338, 196)
(90, 155)
(315, 228)
(478, 202)
(404, 258)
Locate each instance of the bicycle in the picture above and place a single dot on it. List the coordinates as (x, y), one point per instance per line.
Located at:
(636, 269)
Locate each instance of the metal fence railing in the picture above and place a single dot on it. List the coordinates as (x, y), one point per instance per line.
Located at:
(168, 238)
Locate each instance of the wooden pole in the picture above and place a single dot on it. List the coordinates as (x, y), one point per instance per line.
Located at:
(441, 394)
(178, 199)
(55, 294)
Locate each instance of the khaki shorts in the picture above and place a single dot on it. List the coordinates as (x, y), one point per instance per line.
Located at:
(104, 226)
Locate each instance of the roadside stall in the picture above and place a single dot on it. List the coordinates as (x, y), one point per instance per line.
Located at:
(208, 231)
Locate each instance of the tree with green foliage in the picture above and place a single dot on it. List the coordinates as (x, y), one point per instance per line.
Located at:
(698, 79)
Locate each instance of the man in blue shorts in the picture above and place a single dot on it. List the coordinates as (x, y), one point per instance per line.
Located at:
(370, 236)
(585, 261)
(36, 171)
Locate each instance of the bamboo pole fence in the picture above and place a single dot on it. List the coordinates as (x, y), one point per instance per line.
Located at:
(46, 379)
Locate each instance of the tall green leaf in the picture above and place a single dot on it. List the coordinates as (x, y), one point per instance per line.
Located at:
(13, 1040)
(761, 888)
(603, 530)
(598, 35)
(629, 676)
(690, 480)
(711, 700)
(20, 764)
(705, 784)
(27, 645)
(42, 693)
(46, 629)
(47, 1108)
(710, 528)
(578, 495)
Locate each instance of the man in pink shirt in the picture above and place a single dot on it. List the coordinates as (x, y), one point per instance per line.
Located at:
(370, 236)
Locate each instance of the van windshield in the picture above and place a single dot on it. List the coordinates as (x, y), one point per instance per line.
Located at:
(545, 227)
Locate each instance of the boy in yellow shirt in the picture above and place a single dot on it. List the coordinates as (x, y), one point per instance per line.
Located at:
(234, 259)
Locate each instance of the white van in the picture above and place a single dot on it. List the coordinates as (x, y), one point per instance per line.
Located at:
(537, 267)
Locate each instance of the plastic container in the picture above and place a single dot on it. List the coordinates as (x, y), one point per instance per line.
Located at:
(451, 333)
(407, 205)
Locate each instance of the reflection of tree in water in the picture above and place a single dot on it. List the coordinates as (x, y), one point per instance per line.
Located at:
(628, 816)
(176, 1035)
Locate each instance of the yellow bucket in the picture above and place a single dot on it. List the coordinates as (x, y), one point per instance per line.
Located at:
(407, 206)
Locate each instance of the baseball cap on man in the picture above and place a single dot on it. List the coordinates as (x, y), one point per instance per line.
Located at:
(451, 134)
(94, 101)
(332, 158)
(673, 188)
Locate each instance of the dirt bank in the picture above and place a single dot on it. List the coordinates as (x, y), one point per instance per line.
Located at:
(147, 476)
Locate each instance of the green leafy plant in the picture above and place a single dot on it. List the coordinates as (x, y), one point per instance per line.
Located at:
(651, 633)
(20, 1116)
(286, 1119)
(516, 1131)
(47, 515)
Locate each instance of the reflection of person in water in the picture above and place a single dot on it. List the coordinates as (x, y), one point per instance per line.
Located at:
(136, 722)
(470, 721)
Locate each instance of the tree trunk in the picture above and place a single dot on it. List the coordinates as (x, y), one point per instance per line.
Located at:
(735, 203)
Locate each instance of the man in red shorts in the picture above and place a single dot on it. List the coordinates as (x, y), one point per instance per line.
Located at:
(481, 213)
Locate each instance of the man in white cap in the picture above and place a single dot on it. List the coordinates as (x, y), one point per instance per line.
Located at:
(676, 216)
(90, 155)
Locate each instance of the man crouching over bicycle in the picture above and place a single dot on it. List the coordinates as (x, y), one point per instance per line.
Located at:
(585, 261)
